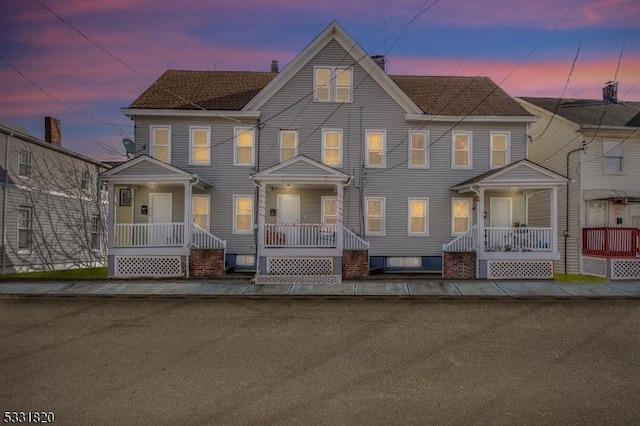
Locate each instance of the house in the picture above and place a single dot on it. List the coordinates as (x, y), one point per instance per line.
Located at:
(52, 210)
(327, 169)
(596, 144)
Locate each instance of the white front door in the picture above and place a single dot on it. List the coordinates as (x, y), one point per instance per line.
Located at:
(160, 211)
(501, 212)
(289, 213)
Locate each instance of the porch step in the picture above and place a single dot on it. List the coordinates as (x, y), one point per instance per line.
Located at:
(298, 279)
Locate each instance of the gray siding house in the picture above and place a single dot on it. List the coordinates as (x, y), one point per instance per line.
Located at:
(307, 172)
(52, 207)
(596, 144)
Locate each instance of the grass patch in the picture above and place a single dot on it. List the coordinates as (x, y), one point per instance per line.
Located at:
(84, 273)
(577, 278)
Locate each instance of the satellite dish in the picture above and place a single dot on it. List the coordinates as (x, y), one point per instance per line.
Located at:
(129, 146)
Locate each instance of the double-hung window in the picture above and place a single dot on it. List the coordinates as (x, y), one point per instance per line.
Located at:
(24, 164)
(613, 156)
(25, 228)
(242, 214)
(333, 84)
(332, 147)
(375, 147)
(375, 211)
(461, 215)
(288, 144)
(200, 145)
(244, 142)
(461, 150)
(329, 210)
(161, 143)
(200, 211)
(95, 232)
(419, 150)
(418, 217)
(499, 149)
(84, 180)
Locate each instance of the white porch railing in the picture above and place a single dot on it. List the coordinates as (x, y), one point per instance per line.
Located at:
(201, 238)
(148, 234)
(353, 242)
(302, 235)
(463, 243)
(518, 239)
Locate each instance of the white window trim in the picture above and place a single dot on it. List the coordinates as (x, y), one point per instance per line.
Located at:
(84, 180)
(97, 233)
(604, 156)
(193, 162)
(323, 199)
(453, 150)
(410, 233)
(384, 149)
(152, 145)
(295, 132)
(453, 219)
(30, 168)
(508, 147)
(208, 197)
(333, 86)
(426, 149)
(235, 215)
(382, 233)
(324, 141)
(236, 130)
(18, 228)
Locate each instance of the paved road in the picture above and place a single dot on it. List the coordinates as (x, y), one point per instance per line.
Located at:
(195, 361)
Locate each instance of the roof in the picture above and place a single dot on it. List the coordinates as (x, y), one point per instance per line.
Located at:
(605, 194)
(524, 163)
(591, 112)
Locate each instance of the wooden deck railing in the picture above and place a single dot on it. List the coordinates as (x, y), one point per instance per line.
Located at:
(303, 235)
(611, 242)
(149, 234)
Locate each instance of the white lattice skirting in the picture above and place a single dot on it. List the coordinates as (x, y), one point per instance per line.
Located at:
(298, 279)
(519, 269)
(625, 269)
(595, 266)
(299, 270)
(148, 266)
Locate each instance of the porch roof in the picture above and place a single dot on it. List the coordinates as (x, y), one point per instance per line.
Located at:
(301, 169)
(146, 170)
(521, 174)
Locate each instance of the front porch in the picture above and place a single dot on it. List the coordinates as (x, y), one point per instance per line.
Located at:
(611, 252)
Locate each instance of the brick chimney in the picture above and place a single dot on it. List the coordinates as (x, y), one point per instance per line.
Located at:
(52, 132)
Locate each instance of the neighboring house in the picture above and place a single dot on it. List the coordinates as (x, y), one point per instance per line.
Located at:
(51, 215)
(596, 144)
(326, 169)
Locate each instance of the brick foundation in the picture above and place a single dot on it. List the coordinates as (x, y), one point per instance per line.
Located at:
(459, 265)
(206, 262)
(355, 264)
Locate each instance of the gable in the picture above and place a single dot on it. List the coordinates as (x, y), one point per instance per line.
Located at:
(523, 172)
(301, 168)
(145, 166)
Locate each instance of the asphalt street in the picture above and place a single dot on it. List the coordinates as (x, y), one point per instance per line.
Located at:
(252, 361)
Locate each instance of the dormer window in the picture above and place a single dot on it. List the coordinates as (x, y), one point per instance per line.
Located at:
(333, 84)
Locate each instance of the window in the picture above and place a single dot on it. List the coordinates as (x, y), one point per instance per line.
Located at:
(243, 146)
(499, 149)
(375, 147)
(243, 214)
(25, 228)
(161, 143)
(332, 147)
(332, 84)
(84, 180)
(419, 150)
(200, 211)
(375, 216)
(461, 151)
(613, 155)
(329, 210)
(418, 216)
(288, 144)
(200, 145)
(24, 164)
(461, 215)
(95, 232)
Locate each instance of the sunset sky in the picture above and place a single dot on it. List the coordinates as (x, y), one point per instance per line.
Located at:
(82, 61)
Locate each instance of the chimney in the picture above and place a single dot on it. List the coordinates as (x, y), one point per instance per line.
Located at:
(381, 60)
(52, 132)
(274, 66)
(610, 92)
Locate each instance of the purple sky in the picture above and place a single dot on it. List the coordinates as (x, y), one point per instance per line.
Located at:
(525, 46)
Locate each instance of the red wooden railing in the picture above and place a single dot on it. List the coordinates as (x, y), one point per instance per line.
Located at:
(611, 242)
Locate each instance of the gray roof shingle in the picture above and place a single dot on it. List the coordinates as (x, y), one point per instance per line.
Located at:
(591, 112)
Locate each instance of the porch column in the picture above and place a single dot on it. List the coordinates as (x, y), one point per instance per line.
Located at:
(480, 215)
(111, 216)
(262, 203)
(188, 217)
(554, 218)
(339, 212)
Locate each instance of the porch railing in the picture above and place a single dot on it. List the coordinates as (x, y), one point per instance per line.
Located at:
(611, 242)
(304, 235)
(201, 238)
(463, 243)
(148, 234)
(353, 242)
(518, 239)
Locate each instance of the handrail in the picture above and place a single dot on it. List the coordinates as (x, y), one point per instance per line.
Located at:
(466, 242)
(201, 238)
(354, 242)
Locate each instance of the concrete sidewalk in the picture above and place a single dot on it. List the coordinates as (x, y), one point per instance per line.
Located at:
(410, 288)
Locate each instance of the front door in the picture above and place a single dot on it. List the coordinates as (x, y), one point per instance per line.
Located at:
(501, 212)
(160, 211)
(289, 213)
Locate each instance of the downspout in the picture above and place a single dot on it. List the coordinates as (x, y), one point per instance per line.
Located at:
(583, 148)
(7, 137)
(256, 197)
(189, 221)
(478, 238)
